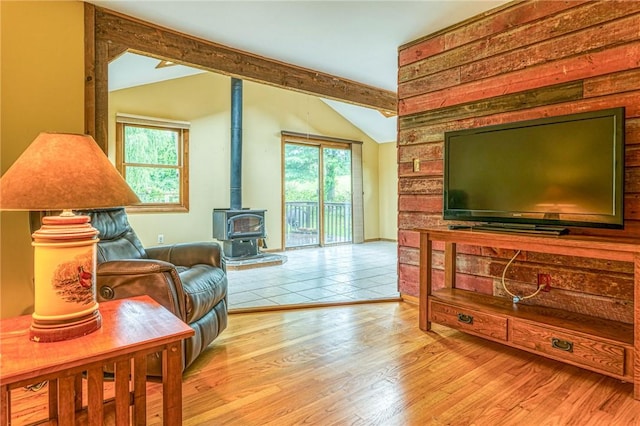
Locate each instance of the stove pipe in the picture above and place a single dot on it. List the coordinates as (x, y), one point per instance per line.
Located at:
(236, 144)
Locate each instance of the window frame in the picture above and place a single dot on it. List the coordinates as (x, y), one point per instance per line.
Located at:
(122, 121)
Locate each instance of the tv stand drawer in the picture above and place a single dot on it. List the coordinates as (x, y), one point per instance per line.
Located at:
(564, 345)
(469, 320)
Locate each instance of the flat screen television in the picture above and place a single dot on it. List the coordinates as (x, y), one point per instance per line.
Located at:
(545, 174)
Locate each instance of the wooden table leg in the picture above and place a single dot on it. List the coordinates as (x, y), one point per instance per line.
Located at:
(172, 384)
(78, 394)
(5, 405)
(53, 398)
(123, 401)
(425, 281)
(66, 415)
(636, 327)
(95, 395)
(140, 390)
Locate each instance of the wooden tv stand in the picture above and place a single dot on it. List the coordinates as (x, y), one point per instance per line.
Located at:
(607, 347)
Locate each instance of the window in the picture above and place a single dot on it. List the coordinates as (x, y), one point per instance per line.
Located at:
(153, 157)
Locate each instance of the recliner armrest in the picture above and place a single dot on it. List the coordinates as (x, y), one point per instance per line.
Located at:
(134, 266)
(188, 254)
(119, 279)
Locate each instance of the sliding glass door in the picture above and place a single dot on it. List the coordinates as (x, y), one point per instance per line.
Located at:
(317, 194)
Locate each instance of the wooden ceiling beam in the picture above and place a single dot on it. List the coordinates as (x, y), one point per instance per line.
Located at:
(143, 37)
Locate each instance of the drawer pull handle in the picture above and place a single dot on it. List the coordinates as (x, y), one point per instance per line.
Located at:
(467, 319)
(563, 345)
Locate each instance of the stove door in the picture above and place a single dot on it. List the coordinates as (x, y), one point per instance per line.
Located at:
(245, 225)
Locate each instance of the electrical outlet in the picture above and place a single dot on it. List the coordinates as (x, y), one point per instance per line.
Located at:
(544, 280)
(160, 238)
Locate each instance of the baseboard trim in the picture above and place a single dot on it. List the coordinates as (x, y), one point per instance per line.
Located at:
(311, 305)
(372, 240)
(413, 300)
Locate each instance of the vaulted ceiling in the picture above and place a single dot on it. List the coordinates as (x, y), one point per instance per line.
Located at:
(356, 40)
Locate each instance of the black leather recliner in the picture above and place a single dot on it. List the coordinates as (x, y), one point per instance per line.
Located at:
(188, 279)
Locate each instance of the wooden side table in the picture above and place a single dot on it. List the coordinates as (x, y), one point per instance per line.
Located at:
(131, 329)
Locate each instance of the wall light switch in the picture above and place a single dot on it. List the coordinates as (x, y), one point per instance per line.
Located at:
(416, 164)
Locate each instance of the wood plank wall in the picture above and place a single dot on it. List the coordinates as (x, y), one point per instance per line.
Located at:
(525, 60)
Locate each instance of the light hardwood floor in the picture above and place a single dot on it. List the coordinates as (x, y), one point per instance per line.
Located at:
(371, 365)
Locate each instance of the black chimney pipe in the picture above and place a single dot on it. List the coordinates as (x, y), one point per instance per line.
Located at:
(236, 144)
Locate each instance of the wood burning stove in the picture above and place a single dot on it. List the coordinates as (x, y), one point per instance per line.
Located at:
(239, 230)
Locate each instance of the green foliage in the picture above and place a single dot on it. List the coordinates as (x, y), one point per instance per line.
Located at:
(302, 173)
(155, 177)
(154, 185)
(146, 145)
(337, 167)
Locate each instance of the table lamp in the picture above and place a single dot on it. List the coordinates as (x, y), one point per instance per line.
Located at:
(61, 171)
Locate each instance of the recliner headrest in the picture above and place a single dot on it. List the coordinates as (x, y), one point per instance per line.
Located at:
(118, 240)
(112, 223)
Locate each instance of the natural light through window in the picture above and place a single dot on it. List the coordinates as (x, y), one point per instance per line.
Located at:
(152, 155)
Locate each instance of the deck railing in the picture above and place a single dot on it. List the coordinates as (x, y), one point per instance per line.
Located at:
(302, 218)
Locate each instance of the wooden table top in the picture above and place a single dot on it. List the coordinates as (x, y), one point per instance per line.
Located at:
(128, 325)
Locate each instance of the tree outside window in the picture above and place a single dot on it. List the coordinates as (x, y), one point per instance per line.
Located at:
(153, 162)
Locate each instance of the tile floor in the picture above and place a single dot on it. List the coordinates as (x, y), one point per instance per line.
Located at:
(339, 273)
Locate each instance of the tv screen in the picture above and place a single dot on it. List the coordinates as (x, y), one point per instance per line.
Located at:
(556, 171)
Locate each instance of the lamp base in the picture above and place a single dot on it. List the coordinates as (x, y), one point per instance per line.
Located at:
(64, 272)
(46, 331)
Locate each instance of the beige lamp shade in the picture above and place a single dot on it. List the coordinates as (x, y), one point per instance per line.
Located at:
(63, 171)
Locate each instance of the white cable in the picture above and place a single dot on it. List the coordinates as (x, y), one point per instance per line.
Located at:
(515, 298)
